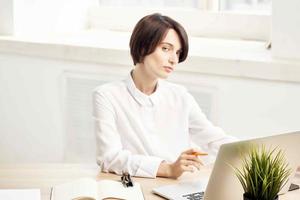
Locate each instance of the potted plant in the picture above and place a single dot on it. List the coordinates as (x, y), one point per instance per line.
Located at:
(263, 173)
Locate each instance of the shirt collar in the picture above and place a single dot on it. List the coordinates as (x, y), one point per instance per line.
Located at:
(141, 98)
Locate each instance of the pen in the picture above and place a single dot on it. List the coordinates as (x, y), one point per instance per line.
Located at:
(199, 154)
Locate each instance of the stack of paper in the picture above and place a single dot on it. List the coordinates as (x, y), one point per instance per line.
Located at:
(17, 194)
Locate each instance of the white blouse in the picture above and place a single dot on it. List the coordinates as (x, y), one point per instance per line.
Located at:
(136, 132)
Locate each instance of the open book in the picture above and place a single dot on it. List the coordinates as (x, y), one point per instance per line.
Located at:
(89, 189)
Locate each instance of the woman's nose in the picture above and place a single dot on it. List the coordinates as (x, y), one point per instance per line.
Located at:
(173, 59)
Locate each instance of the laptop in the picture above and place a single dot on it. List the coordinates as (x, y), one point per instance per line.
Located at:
(223, 183)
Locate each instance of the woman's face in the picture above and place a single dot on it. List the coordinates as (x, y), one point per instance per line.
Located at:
(165, 57)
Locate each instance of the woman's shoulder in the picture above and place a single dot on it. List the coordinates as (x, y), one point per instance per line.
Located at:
(174, 87)
(177, 91)
(110, 87)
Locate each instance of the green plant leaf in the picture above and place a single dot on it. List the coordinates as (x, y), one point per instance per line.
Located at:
(263, 173)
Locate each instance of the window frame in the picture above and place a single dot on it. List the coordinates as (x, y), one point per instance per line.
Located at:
(214, 24)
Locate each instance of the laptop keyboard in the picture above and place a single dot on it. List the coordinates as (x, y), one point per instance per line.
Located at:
(194, 196)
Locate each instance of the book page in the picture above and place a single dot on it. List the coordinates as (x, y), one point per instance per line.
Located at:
(82, 189)
(17, 194)
(115, 189)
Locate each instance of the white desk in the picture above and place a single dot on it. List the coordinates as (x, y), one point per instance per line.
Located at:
(43, 176)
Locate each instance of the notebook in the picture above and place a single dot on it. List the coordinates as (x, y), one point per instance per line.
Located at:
(90, 189)
(222, 181)
(17, 194)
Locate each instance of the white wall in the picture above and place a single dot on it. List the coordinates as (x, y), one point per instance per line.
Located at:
(250, 107)
(32, 117)
(285, 29)
(6, 17)
(23, 17)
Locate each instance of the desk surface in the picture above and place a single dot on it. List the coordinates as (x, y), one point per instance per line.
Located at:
(43, 176)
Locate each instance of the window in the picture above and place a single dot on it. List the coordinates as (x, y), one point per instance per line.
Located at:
(153, 3)
(253, 6)
(202, 18)
(250, 6)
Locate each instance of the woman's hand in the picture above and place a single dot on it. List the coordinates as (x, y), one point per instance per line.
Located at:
(186, 162)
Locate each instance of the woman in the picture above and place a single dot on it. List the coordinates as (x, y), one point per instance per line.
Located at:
(146, 126)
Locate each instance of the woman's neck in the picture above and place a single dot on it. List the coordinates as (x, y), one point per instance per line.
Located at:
(143, 82)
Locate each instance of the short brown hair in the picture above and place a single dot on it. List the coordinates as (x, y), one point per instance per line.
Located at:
(150, 31)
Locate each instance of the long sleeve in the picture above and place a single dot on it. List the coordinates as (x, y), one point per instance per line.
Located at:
(203, 133)
(111, 154)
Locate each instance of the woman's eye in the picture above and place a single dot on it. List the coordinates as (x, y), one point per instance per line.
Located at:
(165, 49)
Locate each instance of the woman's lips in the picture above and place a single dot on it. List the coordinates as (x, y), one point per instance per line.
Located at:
(168, 69)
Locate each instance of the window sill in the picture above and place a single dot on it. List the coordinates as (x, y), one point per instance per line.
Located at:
(244, 59)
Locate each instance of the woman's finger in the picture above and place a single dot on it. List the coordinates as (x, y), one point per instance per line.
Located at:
(191, 157)
(191, 163)
(188, 168)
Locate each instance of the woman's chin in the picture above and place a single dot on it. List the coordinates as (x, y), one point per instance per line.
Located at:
(164, 75)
